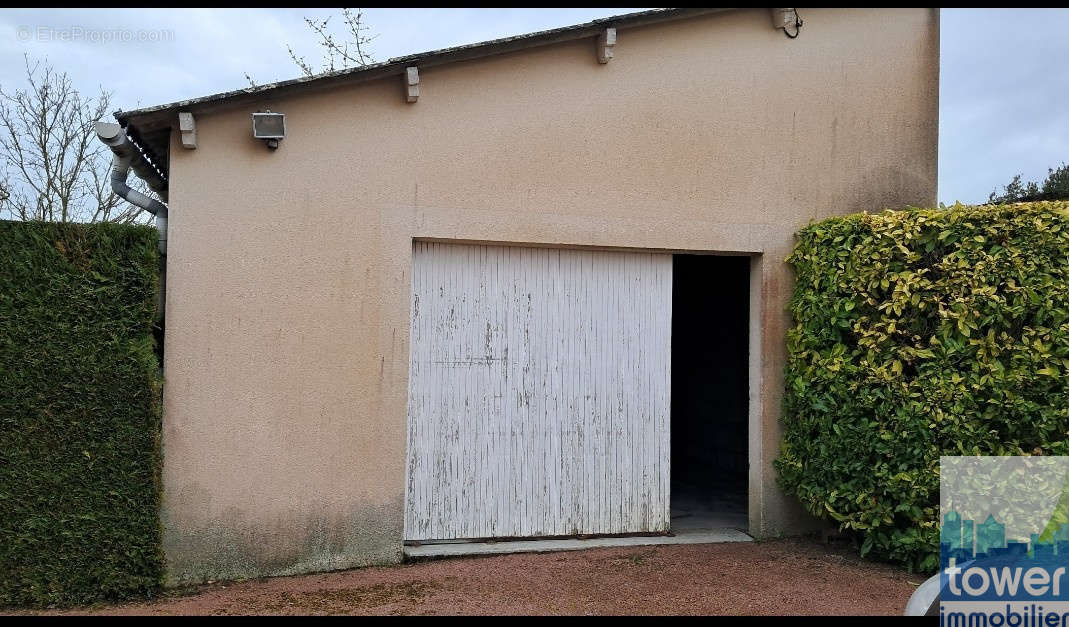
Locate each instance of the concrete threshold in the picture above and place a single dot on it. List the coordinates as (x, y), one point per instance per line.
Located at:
(689, 536)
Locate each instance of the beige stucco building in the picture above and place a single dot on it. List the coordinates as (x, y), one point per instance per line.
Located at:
(292, 379)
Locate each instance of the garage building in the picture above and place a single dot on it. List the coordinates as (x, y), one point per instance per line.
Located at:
(531, 288)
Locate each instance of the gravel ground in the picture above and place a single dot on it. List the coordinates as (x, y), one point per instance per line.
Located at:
(789, 576)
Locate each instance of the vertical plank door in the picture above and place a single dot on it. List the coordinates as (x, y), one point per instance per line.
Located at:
(539, 387)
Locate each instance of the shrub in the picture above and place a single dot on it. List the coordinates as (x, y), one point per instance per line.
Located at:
(1055, 187)
(919, 333)
(79, 414)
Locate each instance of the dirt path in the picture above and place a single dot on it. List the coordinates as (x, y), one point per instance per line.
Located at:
(793, 576)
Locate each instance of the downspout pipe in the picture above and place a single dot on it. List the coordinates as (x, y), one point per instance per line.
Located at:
(127, 156)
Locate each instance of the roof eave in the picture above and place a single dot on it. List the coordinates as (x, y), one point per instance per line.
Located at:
(153, 118)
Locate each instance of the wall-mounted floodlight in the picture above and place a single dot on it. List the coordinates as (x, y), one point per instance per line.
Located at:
(270, 127)
(788, 21)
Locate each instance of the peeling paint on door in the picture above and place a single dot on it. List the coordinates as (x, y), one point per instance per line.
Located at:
(538, 392)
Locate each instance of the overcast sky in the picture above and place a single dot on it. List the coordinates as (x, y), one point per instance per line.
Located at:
(1004, 76)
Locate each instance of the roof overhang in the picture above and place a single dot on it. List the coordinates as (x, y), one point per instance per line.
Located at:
(150, 127)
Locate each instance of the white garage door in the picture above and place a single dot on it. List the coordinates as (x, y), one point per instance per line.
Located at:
(539, 392)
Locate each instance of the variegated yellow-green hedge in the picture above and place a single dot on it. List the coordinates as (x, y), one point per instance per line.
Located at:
(919, 333)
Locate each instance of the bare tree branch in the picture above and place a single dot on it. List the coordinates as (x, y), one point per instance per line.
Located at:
(351, 51)
(52, 166)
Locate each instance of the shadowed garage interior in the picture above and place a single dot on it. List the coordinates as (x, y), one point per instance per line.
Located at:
(710, 319)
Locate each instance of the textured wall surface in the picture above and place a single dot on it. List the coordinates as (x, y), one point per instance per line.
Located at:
(288, 303)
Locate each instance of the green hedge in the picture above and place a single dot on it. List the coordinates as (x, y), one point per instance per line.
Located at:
(79, 414)
(918, 333)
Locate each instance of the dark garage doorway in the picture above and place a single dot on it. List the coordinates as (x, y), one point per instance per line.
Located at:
(710, 383)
